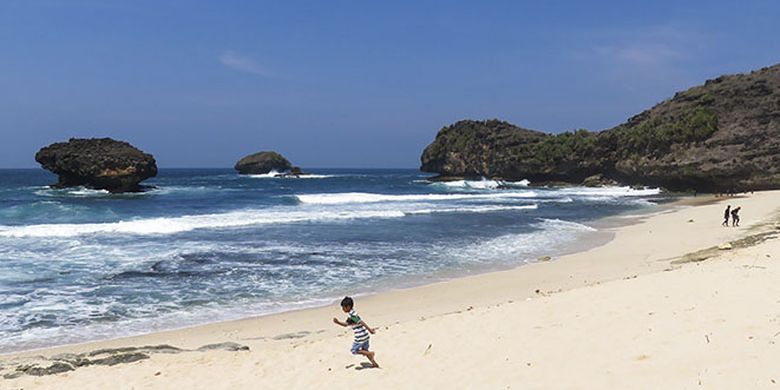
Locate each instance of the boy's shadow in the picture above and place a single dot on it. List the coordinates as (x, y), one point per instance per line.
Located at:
(362, 366)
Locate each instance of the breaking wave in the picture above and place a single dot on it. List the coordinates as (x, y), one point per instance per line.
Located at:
(484, 184)
(275, 175)
(362, 197)
(235, 219)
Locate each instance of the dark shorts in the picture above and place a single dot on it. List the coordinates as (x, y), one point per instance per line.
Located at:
(359, 347)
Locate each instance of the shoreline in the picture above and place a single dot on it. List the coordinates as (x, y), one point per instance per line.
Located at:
(584, 242)
(638, 251)
(605, 233)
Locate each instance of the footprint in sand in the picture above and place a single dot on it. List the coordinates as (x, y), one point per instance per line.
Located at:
(294, 335)
(642, 357)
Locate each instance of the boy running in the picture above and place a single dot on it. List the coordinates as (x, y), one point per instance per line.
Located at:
(360, 328)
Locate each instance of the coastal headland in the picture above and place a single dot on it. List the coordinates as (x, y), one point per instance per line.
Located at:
(717, 137)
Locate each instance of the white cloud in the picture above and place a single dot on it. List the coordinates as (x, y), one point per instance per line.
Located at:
(657, 47)
(242, 64)
(642, 53)
(649, 61)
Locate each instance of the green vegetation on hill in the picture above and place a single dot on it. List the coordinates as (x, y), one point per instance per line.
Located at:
(655, 137)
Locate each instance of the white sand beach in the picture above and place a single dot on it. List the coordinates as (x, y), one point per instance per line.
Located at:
(657, 307)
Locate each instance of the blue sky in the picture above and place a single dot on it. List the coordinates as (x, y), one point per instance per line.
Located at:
(349, 83)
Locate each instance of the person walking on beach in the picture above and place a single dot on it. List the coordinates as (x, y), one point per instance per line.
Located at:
(735, 216)
(360, 328)
(726, 216)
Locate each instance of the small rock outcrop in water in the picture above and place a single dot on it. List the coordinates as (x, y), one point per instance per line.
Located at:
(598, 180)
(99, 163)
(723, 136)
(295, 172)
(262, 163)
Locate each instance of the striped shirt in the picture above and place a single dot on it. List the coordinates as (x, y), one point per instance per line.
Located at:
(361, 333)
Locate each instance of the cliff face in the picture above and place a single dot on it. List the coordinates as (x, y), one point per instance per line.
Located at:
(720, 136)
(479, 148)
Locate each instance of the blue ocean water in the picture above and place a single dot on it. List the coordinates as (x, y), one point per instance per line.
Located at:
(207, 244)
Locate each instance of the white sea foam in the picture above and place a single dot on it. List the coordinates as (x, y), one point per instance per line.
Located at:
(484, 184)
(154, 320)
(314, 176)
(474, 209)
(76, 192)
(520, 247)
(191, 222)
(363, 197)
(83, 192)
(561, 225)
(269, 175)
(608, 191)
(274, 175)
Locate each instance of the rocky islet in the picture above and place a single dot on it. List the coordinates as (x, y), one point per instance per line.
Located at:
(262, 162)
(99, 163)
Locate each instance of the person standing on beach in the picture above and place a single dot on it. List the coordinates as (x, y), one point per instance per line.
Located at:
(735, 216)
(726, 216)
(360, 328)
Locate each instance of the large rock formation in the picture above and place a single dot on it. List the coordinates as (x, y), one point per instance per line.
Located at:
(262, 163)
(717, 137)
(100, 163)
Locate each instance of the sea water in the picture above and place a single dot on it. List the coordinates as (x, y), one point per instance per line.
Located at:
(208, 244)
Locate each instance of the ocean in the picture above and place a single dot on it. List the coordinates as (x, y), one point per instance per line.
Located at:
(207, 244)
